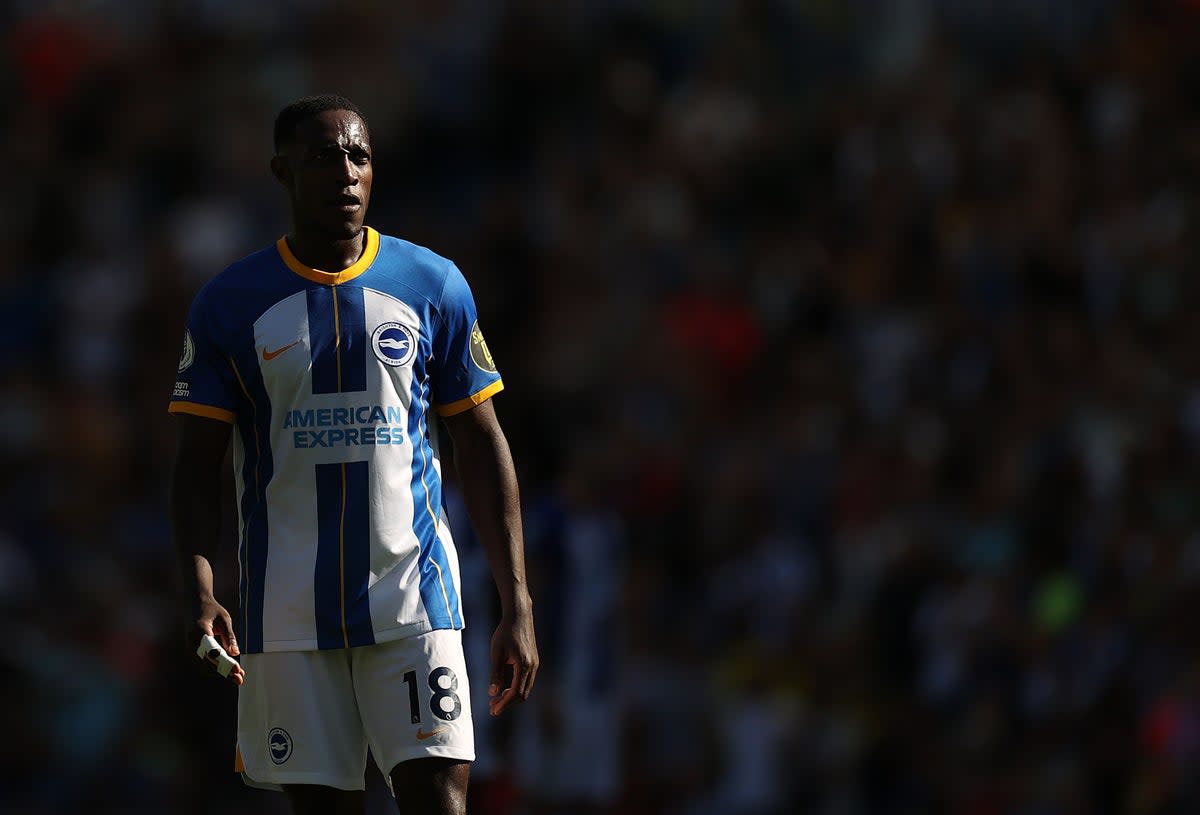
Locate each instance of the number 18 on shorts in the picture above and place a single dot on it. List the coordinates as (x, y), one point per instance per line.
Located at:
(308, 717)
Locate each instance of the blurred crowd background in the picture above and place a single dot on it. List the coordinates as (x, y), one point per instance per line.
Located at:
(853, 373)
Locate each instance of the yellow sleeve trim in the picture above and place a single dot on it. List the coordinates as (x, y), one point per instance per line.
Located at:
(197, 409)
(471, 401)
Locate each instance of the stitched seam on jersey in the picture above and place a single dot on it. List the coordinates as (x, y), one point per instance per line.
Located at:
(257, 490)
(437, 307)
(437, 521)
(337, 339)
(420, 626)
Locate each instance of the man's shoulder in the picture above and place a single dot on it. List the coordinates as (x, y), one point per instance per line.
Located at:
(260, 274)
(246, 288)
(413, 266)
(405, 249)
(247, 270)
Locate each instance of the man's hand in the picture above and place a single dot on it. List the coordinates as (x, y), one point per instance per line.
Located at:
(195, 528)
(212, 619)
(512, 644)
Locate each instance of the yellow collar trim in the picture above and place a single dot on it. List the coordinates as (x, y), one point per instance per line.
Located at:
(331, 278)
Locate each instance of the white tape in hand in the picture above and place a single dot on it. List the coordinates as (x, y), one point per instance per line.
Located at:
(211, 650)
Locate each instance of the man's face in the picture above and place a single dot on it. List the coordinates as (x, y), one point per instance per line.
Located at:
(327, 170)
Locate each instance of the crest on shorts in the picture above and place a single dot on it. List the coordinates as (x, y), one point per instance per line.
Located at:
(279, 743)
(480, 354)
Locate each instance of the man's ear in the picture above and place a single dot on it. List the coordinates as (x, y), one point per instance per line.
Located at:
(281, 170)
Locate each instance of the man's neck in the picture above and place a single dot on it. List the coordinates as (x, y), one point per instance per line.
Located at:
(325, 254)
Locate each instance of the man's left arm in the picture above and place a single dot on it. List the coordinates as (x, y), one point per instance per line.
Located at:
(489, 484)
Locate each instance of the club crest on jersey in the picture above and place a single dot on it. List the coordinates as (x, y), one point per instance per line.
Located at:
(279, 743)
(480, 354)
(394, 344)
(189, 352)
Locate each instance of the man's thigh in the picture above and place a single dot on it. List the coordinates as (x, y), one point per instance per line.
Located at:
(414, 699)
(431, 786)
(298, 723)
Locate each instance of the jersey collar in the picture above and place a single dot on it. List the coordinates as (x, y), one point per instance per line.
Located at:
(331, 278)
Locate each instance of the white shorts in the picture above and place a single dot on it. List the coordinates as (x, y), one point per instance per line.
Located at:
(308, 717)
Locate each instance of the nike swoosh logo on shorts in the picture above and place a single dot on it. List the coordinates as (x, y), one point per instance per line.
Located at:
(270, 355)
(422, 735)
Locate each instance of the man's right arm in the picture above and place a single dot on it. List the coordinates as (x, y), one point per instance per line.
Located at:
(195, 509)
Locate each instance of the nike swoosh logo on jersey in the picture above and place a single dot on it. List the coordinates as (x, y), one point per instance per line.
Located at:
(422, 735)
(270, 355)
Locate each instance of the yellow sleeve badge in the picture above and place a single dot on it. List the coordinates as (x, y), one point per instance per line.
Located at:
(480, 354)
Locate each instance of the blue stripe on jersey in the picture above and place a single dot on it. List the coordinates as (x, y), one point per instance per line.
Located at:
(352, 327)
(322, 340)
(438, 593)
(337, 339)
(342, 571)
(356, 529)
(254, 426)
(327, 579)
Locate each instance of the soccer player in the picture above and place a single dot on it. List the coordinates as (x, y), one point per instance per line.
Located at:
(329, 352)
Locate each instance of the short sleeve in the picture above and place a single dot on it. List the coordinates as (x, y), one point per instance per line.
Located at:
(463, 372)
(204, 383)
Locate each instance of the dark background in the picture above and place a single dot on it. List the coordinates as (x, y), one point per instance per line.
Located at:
(853, 373)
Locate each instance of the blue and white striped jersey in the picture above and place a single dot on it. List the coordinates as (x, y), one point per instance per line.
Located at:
(328, 379)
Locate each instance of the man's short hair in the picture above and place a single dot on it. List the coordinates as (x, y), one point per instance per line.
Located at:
(305, 108)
